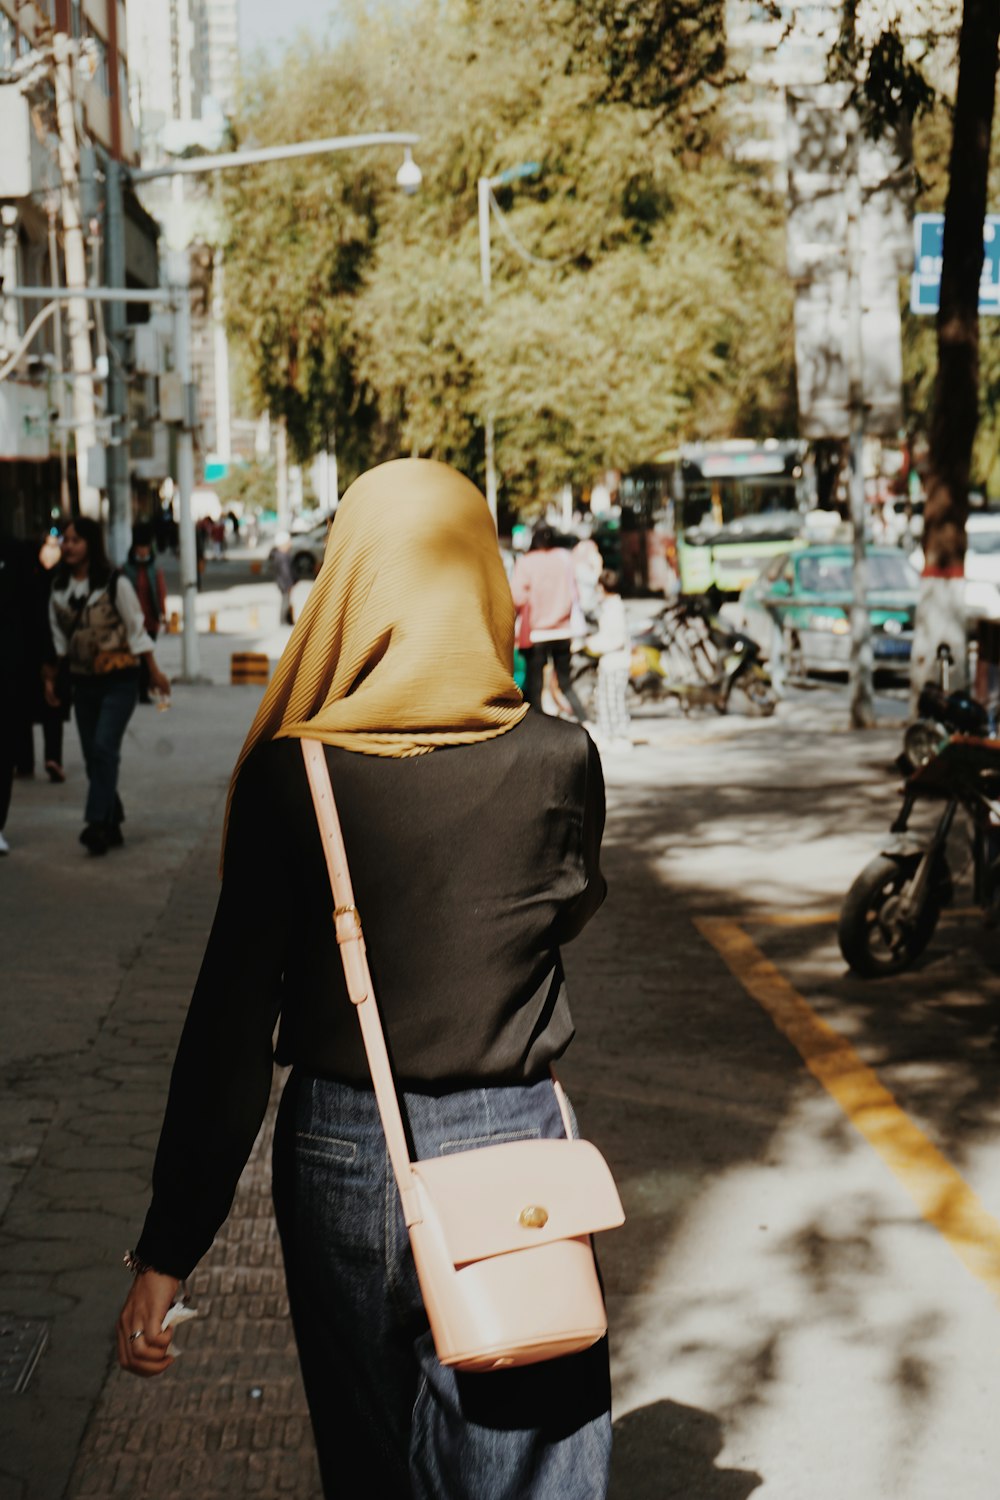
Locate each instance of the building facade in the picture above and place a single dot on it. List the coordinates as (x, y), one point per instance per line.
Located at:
(67, 127)
(223, 38)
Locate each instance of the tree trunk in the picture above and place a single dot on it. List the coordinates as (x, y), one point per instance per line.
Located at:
(941, 615)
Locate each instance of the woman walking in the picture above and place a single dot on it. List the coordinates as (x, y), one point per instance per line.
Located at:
(51, 717)
(472, 829)
(98, 631)
(146, 577)
(545, 592)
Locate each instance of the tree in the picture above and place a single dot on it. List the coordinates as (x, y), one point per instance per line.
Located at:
(954, 415)
(643, 301)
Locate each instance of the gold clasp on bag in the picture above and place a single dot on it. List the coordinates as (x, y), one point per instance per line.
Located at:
(533, 1217)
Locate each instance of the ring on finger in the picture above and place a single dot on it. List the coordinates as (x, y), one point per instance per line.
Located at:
(133, 1336)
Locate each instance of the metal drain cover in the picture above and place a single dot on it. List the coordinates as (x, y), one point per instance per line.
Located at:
(21, 1343)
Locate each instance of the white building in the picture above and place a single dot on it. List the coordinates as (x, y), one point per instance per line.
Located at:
(223, 38)
(788, 46)
(162, 31)
(180, 108)
(49, 417)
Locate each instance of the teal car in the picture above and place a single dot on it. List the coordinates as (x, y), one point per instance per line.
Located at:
(799, 608)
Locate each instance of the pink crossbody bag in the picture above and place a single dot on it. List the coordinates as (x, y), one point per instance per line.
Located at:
(501, 1234)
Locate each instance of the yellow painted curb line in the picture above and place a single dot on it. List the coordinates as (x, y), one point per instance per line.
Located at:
(941, 1194)
(795, 919)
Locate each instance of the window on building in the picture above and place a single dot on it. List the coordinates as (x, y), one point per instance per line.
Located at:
(75, 17)
(101, 75)
(8, 41)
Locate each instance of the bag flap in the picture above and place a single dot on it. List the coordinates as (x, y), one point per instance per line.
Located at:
(502, 1198)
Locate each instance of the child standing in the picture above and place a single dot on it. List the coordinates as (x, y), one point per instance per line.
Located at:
(611, 643)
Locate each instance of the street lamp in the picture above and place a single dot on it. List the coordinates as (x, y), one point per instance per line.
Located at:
(486, 186)
(408, 178)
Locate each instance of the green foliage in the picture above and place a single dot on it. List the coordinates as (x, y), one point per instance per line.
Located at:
(662, 55)
(651, 306)
(251, 485)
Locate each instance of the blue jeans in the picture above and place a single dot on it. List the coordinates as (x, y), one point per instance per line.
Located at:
(382, 1406)
(103, 708)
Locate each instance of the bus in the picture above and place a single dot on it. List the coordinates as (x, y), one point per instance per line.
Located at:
(710, 515)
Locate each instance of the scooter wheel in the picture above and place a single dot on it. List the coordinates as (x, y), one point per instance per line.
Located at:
(757, 694)
(873, 940)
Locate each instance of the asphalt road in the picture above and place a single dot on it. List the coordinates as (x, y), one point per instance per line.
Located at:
(804, 1299)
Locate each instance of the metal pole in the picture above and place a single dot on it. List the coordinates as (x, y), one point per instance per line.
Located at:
(94, 294)
(220, 351)
(273, 153)
(52, 209)
(180, 280)
(11, 312)
(81, 356)
(281, 475)
(862, 697)
(119, 492)
(484, 270)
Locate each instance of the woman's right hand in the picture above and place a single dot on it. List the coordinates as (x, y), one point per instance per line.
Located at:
(143, 1348)
(51, 696)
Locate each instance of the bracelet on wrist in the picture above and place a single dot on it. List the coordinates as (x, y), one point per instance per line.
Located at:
(138, 1266)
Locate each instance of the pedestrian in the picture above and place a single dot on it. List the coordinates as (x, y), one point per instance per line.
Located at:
(16, 608)
(146, 577)
(280, 559)
(610, 643)
(202, 537)
(98, 630)
(51, 718)
(588, 565)
(401, 666)
(545, 592)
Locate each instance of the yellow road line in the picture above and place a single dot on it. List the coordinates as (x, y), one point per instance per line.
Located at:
(794, 918)
(824, 918)
(941, 1194)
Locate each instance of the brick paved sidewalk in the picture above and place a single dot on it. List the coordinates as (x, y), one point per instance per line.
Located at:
(230, 1419)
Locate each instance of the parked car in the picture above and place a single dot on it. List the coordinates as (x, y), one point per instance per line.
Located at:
(798, 609)
(308, 548)
(982, 565)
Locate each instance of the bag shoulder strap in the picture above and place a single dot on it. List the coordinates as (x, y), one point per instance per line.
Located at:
(351, 941)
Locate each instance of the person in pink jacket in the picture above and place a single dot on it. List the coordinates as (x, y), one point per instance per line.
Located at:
(545, 592)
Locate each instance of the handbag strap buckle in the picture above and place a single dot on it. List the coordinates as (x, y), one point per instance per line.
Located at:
(353, 932)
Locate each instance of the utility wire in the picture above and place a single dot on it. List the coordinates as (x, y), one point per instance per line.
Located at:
(11, 364)
(515, 243)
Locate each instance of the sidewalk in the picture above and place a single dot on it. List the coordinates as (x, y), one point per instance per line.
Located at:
(783, 1321)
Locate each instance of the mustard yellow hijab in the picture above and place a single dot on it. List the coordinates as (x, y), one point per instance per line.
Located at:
(406, 641)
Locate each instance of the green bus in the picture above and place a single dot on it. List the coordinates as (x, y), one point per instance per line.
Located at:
(714, 513)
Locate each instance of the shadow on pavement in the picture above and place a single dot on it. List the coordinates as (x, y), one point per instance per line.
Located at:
(701, 1105)
(667, 1452)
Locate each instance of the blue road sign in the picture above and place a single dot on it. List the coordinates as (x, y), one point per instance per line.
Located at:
(928, 246)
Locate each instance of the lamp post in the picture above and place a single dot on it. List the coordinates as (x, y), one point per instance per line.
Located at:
(485, 187)
(408, 178)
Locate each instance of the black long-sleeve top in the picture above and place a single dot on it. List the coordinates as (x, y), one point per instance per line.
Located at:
(470, 867)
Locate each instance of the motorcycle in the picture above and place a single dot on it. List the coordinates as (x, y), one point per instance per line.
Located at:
(891, 911)
(688, 654)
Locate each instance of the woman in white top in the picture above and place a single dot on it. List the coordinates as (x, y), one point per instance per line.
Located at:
(99, 631)
(611, 644)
